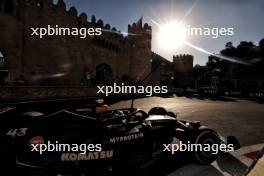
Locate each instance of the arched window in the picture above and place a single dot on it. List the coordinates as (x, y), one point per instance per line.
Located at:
(104, 73)
(3, 70)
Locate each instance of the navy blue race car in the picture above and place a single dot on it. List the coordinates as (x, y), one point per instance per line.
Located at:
(93, 139)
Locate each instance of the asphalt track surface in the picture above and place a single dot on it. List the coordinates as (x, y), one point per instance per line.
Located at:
(228, 116)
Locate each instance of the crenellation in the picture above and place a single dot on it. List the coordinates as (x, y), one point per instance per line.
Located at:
(147, 27)
(61, 4)
(138, 28)
(51, 6)
(93, 19)
(83, 18)
(34, 57)
(73, 12)
(107, 26)
(134, 26)
(100, 23)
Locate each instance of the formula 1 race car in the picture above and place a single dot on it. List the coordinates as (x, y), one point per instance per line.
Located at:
(111, 139)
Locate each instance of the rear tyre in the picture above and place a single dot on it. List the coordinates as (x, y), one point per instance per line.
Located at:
(207, 137)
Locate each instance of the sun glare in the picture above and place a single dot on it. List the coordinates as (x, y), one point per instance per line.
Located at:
(171, 35)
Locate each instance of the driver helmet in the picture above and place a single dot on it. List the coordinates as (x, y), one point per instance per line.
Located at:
(101, 107)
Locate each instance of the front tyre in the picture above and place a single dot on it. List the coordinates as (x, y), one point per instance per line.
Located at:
(207, 137)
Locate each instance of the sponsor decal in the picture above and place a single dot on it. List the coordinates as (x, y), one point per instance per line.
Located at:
(129, 137)
(36, 140)
(84, 110)
(87, 156)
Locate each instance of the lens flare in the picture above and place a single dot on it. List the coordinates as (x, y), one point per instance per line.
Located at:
(171, 35)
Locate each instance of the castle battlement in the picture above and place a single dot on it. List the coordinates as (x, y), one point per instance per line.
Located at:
(17, 8)
(38, 12)
(39, 61)
(184, 63)
(139, 28)
(182, 57)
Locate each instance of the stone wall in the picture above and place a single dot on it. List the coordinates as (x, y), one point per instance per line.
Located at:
(61, 60)
(183, 64)
(11, 93)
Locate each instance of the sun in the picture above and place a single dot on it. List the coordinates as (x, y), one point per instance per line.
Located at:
(171, 35)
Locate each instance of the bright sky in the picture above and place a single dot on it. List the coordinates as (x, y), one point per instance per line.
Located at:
(246, 17)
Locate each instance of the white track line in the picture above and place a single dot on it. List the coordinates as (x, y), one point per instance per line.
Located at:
(215, 169)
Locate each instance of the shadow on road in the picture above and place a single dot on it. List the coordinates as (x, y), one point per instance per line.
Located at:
(229, 164)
